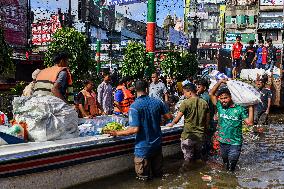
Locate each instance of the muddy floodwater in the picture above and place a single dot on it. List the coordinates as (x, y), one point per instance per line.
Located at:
(261, 165)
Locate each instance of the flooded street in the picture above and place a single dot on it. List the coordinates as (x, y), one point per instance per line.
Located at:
(261, 165)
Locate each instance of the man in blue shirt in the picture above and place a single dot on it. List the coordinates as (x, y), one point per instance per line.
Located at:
(144, 120)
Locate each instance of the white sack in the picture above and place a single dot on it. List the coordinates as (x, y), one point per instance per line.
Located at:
(251, 74)
(243, 93)
(47, 117)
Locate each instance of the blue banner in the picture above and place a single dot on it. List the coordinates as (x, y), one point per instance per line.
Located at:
(123, 2)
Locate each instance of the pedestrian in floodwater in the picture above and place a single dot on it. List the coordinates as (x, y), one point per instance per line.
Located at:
(144, 120)
(263, 108)
(236, 56)
(230, 122)
(196, 121)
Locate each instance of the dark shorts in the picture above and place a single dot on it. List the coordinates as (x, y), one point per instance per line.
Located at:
(152, 166)
(236, 63)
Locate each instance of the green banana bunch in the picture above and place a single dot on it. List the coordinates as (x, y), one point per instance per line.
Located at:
(113, 126)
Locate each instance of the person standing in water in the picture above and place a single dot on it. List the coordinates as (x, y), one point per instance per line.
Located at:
(230, 121)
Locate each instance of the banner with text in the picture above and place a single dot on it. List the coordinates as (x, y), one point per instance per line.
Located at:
(123, 2)
(271, 2)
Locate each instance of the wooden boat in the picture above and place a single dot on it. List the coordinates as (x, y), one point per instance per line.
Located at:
(64, 163)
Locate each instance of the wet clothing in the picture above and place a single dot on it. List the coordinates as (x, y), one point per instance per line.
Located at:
(157, 90)
(105, 97)
(237, 50)
(230, 121)
(151, 166)
(195, 118)
(146, 113)
(230, 155)
(250, 54)
(193, 149)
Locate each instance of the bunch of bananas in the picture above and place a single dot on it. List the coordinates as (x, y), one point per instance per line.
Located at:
(113, 126)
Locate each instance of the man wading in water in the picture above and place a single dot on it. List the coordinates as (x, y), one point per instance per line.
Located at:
(230, 122)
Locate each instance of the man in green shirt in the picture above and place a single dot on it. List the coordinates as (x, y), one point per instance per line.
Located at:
(230, 121)
(196, 121)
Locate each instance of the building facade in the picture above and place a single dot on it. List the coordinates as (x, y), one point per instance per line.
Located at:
(208, 14)
(270, 21)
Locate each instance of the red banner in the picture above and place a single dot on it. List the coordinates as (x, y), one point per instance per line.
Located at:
(14, 21)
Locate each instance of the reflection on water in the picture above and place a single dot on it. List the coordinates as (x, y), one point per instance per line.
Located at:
(261, 165)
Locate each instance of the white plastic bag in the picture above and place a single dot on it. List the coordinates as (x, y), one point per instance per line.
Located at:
(243, 93)
(47, 117)
(252, 74)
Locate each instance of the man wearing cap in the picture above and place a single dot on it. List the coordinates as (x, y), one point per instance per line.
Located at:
(196, 121)
(144, 120)
(230, 121)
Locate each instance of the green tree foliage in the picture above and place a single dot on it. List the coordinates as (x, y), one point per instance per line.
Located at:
(168, 23)
(180, 65)
(75, 44)
(7, 67)
(136, 62)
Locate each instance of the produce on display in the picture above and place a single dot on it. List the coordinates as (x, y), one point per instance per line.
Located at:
(113, 126)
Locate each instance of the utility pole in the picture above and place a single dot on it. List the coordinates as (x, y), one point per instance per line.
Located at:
(99, 43)
(196, 22)
(29, 22)
(151, 29)
(70, 20)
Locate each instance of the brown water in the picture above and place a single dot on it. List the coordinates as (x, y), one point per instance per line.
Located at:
(261, 165)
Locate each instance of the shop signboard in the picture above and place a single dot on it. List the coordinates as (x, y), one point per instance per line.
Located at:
(271, 3)
(123, 2)
(13, 19)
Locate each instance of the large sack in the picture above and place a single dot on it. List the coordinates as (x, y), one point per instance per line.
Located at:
(243, 93)
(251, 74)
(47, 117)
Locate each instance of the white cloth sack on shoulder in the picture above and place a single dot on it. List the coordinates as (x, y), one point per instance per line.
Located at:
(243, 93)
(47, 117)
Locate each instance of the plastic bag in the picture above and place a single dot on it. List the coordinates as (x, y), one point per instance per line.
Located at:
(243, 93)
(47, 117)
(3, 119)
(251, 74)
(216, 75)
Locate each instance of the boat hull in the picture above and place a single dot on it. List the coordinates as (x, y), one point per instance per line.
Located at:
(74, 165)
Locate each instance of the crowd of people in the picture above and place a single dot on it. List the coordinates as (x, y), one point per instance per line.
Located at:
(262, 56)
(148, 105)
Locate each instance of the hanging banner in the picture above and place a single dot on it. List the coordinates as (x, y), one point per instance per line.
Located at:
(123, 2)
(13, 19)
(271, 2)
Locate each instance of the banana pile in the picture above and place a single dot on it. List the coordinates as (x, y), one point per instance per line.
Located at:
(112, 126)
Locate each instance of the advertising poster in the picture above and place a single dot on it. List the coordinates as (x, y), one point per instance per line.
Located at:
(13, 14)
